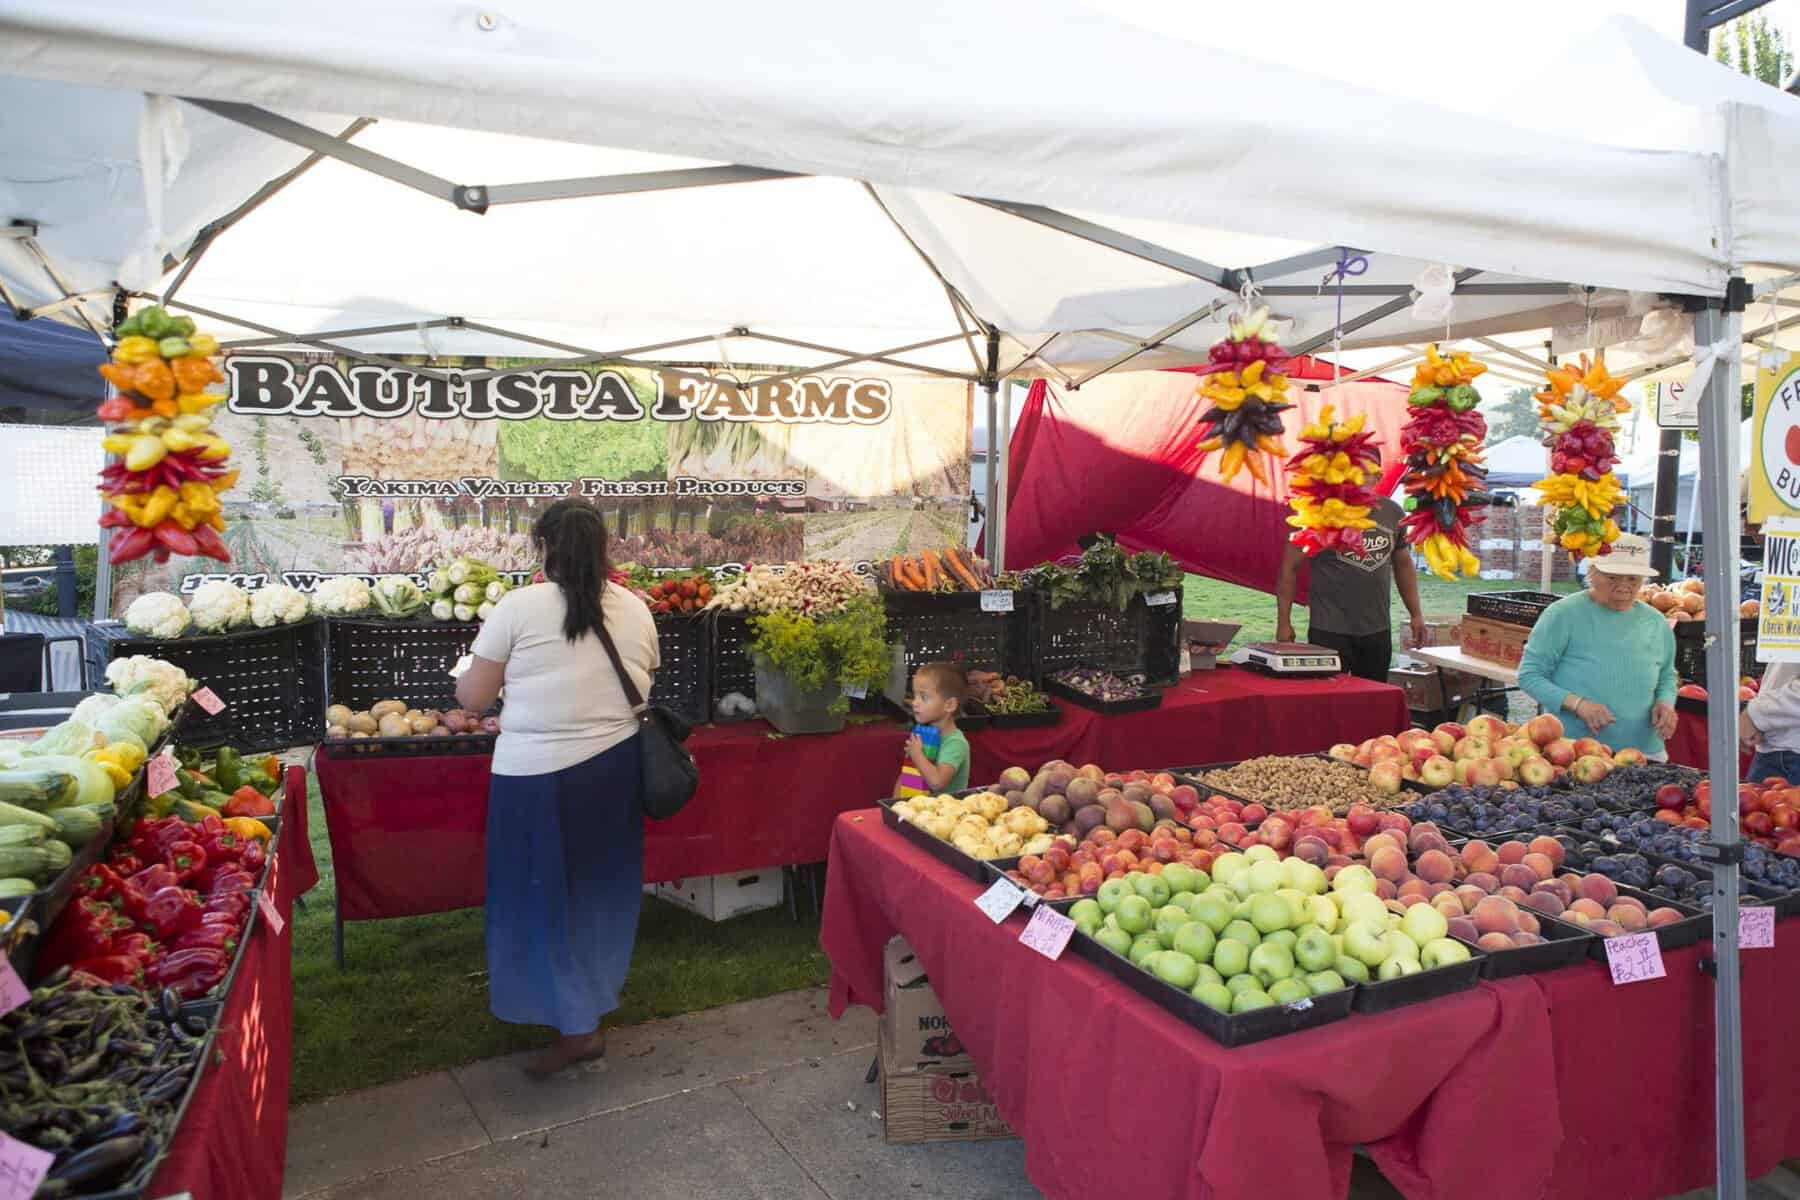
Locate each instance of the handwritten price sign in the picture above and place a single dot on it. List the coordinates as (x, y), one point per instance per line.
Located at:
(269, 912)
(22, 1168)
(13, 991)
(1756, 928)
(998, 600)
(1047, 932)
(162, 775)
(1634, 958)
(999, 901)
(209, 701)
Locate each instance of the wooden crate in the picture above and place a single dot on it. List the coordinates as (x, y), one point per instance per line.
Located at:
(1493, 641)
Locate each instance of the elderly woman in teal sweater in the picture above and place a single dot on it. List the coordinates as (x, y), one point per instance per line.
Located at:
(1604, 658)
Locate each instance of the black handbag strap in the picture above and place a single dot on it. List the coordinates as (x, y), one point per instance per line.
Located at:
(632, 695)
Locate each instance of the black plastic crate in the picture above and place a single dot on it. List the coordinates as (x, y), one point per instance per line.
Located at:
(684, 681)
(1563, 945)
(1511, 608)
(424, 747)
(730, 669)
(1228, 1029)
(1690, 651)
(1144, 639)
(951, 627)
(1421, 985)
(271, 680)
(408, 661)
(1152, 698)
(1026, 720)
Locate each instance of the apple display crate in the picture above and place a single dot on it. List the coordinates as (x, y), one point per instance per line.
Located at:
(684, 681)
(1421, 985)
(1144, 639)
(1228, 1029)
(953, 627)
(272, 681)
(374, 660)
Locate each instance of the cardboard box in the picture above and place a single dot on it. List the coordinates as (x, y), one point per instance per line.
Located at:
(930, 1091)
(915, 1034)
(1493, 641)
(721, 897)
(1203, 641)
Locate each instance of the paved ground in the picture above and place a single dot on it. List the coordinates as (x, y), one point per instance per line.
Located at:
(764, 1100)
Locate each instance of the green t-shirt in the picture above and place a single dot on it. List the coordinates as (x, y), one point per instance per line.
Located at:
(954, 749)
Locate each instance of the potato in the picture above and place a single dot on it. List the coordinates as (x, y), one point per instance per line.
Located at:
(393, 725)
(338, 714)
(411, 715)
(361, 723)
(382, 708)
(439, 731)
(336, 731)
(422, 724)
(455, 722)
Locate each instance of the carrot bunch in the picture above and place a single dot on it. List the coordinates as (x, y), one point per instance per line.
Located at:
(952, 569)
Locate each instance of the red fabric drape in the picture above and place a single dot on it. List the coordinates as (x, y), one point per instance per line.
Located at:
(1121, 456)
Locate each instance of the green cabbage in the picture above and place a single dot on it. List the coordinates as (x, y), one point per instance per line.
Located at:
(94, 707)
(72, 737)
(137, 716)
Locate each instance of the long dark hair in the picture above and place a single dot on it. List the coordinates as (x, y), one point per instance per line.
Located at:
(571, 535)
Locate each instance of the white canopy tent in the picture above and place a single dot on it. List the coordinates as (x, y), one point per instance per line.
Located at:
(947, 224)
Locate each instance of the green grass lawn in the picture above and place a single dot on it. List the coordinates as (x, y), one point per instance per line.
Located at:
(412, 996)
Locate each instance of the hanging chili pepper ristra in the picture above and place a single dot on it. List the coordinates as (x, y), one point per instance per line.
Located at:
(1248, 396)
(1329, 481)
(163, 491)
(1442, 440)
(1579, 411)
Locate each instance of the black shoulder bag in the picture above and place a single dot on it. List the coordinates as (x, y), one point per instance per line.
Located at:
(670, 776)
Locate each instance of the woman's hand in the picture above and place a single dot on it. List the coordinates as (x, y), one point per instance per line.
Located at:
(1662, 718)
(1749, 735)
(1596, 714)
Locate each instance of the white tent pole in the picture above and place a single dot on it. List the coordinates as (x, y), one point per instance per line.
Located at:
(997, 543)
(1721, 323)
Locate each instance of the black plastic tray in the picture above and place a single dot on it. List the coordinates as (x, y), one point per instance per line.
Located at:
(1786, 904)
(1227, 1029)
(139, 1187)
(1153, 699)
(1028, 720)
(1563, 945)
(455, 743)
(1421, 986)
(996, 867)
(944, 852)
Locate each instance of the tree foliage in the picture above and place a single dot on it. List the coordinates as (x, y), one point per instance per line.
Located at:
(1754, 47)
(1515, 416)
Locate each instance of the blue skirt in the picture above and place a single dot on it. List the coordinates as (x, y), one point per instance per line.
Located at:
(565, 865)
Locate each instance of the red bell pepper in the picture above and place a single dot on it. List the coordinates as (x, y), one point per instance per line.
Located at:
(169, 912)
(86, 929)
(191, 972)
(138, 946)
(146, 883)
(253, 858)
(226, 883)
(150, 838)
(247, 801)
(187, 858)
(222, 936)
(112, 968)
(100, 882)
(125, 863)
(232, 906)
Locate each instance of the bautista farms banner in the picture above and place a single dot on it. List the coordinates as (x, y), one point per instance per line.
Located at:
(365, 469)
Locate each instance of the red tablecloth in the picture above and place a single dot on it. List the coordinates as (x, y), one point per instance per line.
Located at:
(407, 832)
(232, 1145)
(1688, 745)
(1115, 1096)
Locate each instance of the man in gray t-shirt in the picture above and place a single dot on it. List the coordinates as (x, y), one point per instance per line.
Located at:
(1349, 596)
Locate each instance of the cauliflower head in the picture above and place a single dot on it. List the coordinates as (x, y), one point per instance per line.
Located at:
(218, 606)
(157, 614)
(139, 674)
(343, 596)
(276, 604)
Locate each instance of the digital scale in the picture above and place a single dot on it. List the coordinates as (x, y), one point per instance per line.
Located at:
(1290, 660)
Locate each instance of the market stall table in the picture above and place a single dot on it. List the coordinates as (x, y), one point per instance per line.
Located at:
(1115, 1096)
(233, 1140)
(407, 831)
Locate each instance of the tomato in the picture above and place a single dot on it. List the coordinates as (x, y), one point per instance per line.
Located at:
(1691, 691)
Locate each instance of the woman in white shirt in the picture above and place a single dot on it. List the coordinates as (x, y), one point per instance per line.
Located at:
(565, 830)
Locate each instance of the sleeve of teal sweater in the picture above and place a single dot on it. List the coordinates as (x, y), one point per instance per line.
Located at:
(1543, 653)
(1666, 682)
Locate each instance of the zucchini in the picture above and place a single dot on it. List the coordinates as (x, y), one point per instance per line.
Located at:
(11, 888)
(60, 856)
(37, 863)
(12, 814)
(37, 787)
(76, 826)
(21, 835)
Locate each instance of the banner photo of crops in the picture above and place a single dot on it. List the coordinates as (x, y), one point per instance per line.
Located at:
(372, 469)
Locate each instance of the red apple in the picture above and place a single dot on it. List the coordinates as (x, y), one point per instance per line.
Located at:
(1671, 795)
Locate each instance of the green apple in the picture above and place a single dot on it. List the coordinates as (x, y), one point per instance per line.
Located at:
(1209, 974)
(1185, 900)
(1176, 969)
(1114, 939)
(1196, 941)
(1271, 961)
(1320, 982)
(1242, 983)
(1302, 876)
(1265, 876)
(1241, 910)
(1135, 914)
(1240, 884)
(1269, 913)
(1401, 946)
(1229, 866)
(1210, 911)
(1261, 853)
(1085, 908)
(1354, 879)
(1179, 877)
(1442, 952)
(1169, 920)
(1366, 941)
(1110, 893)
(1286, 991)
(1312, 950)
(1088, 924)
(1296, 902)
(1242, 931)
(1351, 969)
(1250, 1001)
(1284, 937)
(1231, 958)
(1365, 907)
(1201, 879)
(1424, 924)
(1394, 968)
(1142, 947)
(1323, 912)
(1214, 995)
(1151, 887)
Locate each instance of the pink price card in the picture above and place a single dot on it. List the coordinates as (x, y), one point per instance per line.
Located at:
(267, 905)
(1634, 958)
(1756, 928)
(209, 701)
(13, 991)
(161, 770)
(1047, 932)
(22, 1168)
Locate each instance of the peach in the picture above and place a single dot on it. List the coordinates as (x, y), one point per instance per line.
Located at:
(1469, 896)
(1664, 916)
(1587, 909)
(1605, 928)
(1528, 939)
(1528, 922)
(1517, 895)
(1599, 889)
(1561, 885)
(1413, 887)
(1478, 856)
(1484, 880)
(1438, 889)
(1410, 899)
(1546, 902)
(1510, 852)
(1389, 863)
(1449, 905)
(1462, 927)
(1549, 847)
(1435, 866)
(1495, 941)
(1541, 864)
(1379, 842)
(1386, 889)
(1631, 902)
(1312, 849)
(1628, 918)
(1496, 914)
(1431, 841)
(1518, 875)
(1395, 906)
